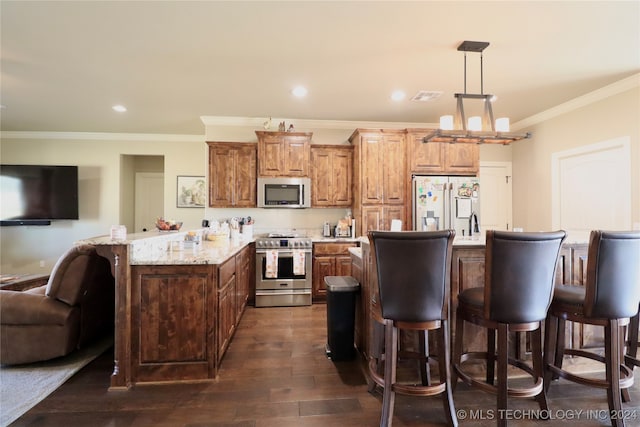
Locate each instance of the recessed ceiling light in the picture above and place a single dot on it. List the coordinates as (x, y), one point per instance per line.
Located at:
(398, 95)
(119, 108)
(299, 91)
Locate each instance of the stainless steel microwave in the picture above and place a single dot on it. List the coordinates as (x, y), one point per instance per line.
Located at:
(284, 192)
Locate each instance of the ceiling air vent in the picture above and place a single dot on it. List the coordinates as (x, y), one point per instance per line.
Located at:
(426, 95)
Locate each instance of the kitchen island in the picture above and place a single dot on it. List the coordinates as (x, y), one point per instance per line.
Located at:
(467, 271)
(176, 307)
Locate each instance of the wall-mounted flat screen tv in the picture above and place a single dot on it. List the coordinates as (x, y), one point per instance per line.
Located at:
(38, 192)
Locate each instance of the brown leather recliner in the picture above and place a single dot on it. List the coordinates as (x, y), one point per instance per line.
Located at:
(73, 309)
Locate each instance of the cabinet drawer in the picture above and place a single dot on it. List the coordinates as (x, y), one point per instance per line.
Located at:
(226, 271)
(332, 248)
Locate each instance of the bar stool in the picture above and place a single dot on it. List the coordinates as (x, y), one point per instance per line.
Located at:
(519, 277)
(631, 355)
(413, 271)
(609, 298)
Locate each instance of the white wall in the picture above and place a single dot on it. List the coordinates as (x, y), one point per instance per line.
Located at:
(104, 175)
(102, 178)
(605, 118)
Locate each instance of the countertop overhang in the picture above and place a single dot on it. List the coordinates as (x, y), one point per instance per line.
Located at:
(161, 248)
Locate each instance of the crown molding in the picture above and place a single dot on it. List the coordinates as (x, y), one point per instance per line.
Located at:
(102, 136)
(301, 124)
(258, 122)
(579, 102)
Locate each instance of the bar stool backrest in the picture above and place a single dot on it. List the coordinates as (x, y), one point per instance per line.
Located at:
(413, 270)
(613, 274)
(519, 274)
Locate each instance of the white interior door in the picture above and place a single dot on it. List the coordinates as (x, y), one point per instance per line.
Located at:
(149, 200)
(495, 196)
(591, 188)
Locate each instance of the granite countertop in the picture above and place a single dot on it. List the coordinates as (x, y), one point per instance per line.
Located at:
(205, 252)
(132, 238)
(457, 241)
(165, 248)
(357, 251)
(170, 248)
(321, 239)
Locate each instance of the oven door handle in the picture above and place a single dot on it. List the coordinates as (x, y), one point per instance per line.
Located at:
(280, 252)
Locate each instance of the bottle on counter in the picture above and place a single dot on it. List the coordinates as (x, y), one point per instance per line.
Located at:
(326, 230)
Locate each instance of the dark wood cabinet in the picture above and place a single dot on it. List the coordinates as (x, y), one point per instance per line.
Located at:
(331, 176)
(283, 153)
(361, 320)
(379, 217)
(379, 178)
(441, 158)
(580, 335)
(467, 271)
(173, 312)
(329, 259)
(381, 167)
(226, 306)
(232, 174)
(184, 316)
(245, 277)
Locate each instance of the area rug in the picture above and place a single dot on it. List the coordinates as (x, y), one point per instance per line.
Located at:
(23, 386)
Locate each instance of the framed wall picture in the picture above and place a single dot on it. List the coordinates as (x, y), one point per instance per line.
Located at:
(191, 192)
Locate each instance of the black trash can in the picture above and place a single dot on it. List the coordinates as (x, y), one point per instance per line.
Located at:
(341, 313)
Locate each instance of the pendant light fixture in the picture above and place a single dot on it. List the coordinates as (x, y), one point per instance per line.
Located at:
(477, 130)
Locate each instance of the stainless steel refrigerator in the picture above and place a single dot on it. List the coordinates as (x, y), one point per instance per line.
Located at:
(446, 202)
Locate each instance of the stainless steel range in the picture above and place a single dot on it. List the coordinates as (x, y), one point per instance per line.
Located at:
(283, 270)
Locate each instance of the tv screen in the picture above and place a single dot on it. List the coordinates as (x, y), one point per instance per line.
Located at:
(33, 192)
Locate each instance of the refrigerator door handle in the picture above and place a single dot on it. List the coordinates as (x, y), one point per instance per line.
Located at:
(450, 200)
(446, 223)
(414, 204)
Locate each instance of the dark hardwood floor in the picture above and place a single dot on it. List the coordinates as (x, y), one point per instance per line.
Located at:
(276, 374)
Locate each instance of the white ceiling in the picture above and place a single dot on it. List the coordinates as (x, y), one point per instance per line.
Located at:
(64, 64)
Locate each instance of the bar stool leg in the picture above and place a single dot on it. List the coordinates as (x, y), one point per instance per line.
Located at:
(612, 350)
(632, 346)
(423, 344)
(391, 356)
(560, 344)
(550, 343)
(538, 366)
(444, 368)
(491, 356)
(503, 336)
(376, 352)
(457, 348)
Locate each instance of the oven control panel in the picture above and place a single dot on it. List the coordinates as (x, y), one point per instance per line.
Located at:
(276, 243)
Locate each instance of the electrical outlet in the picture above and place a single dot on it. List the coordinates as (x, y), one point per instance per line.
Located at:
(41, 263)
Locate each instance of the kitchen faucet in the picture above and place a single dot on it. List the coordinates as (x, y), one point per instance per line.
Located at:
(473, 224)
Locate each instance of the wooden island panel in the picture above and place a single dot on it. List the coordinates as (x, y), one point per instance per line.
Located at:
(173, 309)
(467, 271)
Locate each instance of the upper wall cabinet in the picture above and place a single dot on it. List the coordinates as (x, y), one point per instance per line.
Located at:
(380, 155)
(379, 178)
(283, 153)
(440, 158)
(232, 174)
(331, 176)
